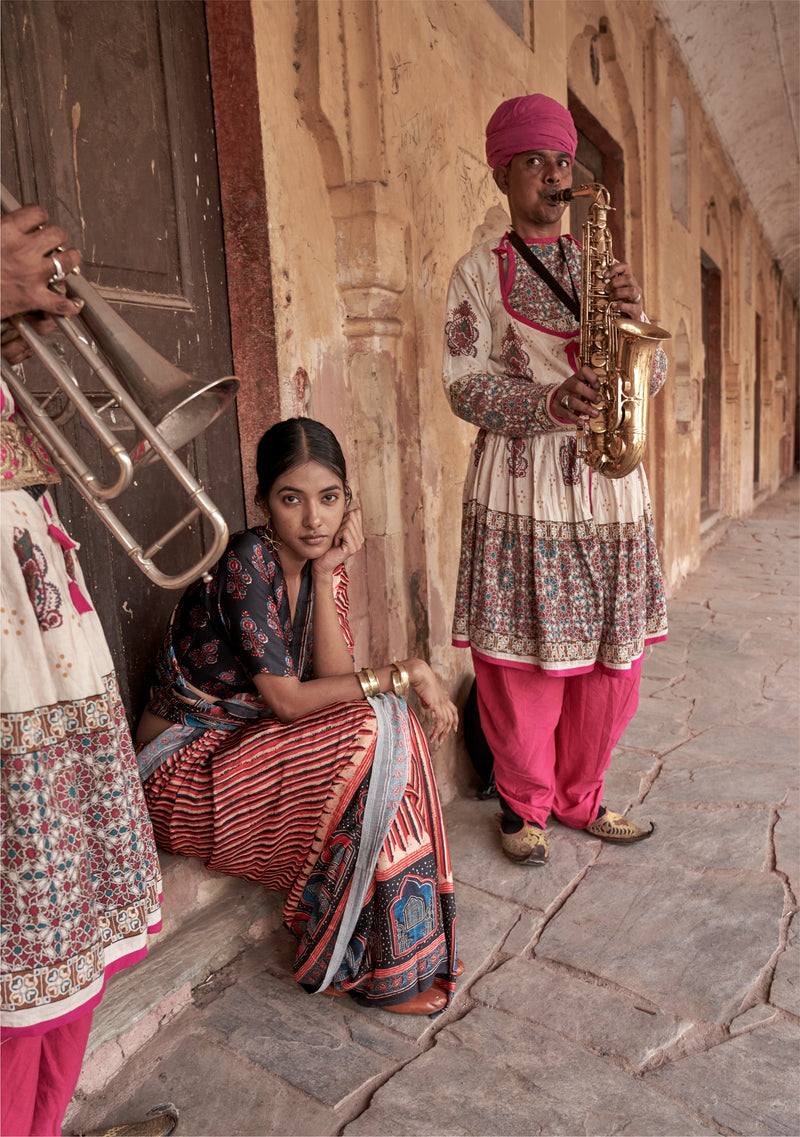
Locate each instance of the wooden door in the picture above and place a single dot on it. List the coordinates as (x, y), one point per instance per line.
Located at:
(107, 122)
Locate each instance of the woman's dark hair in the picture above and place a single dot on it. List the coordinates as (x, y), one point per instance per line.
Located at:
(292, 442)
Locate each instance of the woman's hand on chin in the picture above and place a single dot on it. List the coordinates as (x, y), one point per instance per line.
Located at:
(347, 541)
(433, 696)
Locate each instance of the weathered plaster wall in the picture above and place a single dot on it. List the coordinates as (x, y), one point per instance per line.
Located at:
(373, 120)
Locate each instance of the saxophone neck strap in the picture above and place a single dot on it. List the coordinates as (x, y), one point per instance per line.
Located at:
(569, 302)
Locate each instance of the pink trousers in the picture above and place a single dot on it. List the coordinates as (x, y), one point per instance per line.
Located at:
(39, 1076)
(552, 737)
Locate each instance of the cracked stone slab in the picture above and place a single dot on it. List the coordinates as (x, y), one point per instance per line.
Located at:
(785, 990)
(279, 959)
(694, 943)
(484, 923)
(643, 763)
(474, 837)
(728, 706)
(698, 838)
(693, 778)
(216, 1090)
(787, 846)
(620, 788)
(659, 725)
(547, 1086)
(319, 1044)
(599, 1018)
(782, 686)
(747, 1085)
(717, 680)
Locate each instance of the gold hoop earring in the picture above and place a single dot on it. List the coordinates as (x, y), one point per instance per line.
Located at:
(273, 541)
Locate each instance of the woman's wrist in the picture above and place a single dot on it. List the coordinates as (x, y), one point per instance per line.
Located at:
(393, 678)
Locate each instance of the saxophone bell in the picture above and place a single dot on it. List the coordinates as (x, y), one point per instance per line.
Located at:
(619, 350)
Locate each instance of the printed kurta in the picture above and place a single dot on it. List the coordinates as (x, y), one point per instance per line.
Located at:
(558, 568)
(80, 875)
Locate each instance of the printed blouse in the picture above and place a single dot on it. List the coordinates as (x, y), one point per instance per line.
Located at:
(238, 625)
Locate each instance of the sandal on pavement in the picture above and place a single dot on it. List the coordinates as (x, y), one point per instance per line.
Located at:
(617, 829)
(428, 1002)
(530, 845)
(159, 1122)
(442, 980)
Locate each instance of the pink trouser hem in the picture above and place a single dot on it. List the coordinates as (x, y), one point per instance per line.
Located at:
(552, 736)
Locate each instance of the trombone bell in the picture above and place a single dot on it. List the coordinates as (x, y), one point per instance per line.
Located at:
(166, 407)
(178, 406)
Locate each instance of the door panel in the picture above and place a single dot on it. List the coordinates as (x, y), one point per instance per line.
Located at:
(107, 122)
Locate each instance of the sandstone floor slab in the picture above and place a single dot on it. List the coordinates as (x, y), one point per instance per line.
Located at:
(595, 1016)
(694, 943)
(317, 1043)
(696, 837)
(691, 778)
(787, 846)
(217, 1091)
(785, 989)
(550, 1086)
(661, 729)
(747, 1085)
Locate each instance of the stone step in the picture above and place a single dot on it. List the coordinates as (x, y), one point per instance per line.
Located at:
(208, 919)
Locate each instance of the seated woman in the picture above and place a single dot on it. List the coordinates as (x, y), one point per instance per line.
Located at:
(268, 758)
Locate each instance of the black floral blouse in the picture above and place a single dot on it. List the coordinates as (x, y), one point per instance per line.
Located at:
(237, 625)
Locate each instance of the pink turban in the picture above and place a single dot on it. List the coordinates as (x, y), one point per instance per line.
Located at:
(529, 122)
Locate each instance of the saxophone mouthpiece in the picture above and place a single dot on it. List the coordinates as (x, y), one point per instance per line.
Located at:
(561, 197)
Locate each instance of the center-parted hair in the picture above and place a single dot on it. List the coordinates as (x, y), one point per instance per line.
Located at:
(291, 443)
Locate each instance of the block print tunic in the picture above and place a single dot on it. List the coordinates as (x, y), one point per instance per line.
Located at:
(558, 567)
(80, 875)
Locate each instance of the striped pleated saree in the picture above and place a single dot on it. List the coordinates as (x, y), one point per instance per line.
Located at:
(286, 805)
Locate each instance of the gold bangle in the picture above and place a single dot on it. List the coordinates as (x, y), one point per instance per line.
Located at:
(366, 686)
(373, 681)
(401, 680)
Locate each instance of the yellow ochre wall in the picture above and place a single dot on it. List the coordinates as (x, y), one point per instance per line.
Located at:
(373, 117)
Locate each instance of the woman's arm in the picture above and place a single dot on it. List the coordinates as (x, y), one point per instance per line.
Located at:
(331, 652)
(290, 699)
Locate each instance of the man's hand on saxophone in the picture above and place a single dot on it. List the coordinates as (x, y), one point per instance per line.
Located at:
(574, 399)
(624, 290)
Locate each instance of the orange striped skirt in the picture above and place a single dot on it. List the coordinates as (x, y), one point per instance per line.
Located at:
(283, 804)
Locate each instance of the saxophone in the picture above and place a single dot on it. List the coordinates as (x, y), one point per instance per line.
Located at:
(618, 349)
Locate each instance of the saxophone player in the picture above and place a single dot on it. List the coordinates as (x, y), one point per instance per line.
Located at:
(559, 585)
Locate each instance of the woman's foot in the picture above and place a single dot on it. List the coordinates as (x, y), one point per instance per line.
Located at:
(428, 1002)
(441, 980)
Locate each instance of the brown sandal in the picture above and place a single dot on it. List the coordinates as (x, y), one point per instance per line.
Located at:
(428, 1002)
(443, 980)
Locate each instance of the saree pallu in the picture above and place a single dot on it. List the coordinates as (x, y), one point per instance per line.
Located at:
(289, 805)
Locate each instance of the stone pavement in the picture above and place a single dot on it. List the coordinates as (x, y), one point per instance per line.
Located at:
(645, 990)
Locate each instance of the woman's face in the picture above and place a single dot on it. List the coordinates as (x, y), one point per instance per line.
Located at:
(306, 505)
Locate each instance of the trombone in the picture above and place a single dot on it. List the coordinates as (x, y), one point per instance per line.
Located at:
(166, 406)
